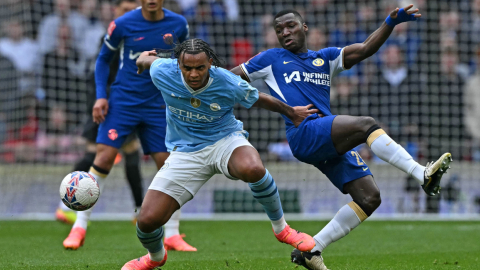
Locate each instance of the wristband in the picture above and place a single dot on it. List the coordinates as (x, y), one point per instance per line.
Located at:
(402, 16)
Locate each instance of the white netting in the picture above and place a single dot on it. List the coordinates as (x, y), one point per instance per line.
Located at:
(422, 86)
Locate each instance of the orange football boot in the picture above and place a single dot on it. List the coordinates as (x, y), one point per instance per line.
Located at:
(67, 217)
(75, 239)
(177, 243)
(296, 239)
(144, 263)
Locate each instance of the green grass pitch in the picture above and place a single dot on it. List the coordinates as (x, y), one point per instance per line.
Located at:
(245, 245)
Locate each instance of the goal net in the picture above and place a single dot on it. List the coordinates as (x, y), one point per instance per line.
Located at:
(422, 87)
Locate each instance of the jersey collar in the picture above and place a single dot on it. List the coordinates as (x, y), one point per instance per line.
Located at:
(196, 92)
(303, 55)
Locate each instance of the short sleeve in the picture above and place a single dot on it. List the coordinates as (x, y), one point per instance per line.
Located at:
(114, 36)
(334, 56)
(243, 92)
(258, 66)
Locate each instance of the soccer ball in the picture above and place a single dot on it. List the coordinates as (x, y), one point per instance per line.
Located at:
(79, 191)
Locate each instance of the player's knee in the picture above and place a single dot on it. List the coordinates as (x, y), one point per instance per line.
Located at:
(252, 171)
(371, 202)
(365, 122)
(148, 222)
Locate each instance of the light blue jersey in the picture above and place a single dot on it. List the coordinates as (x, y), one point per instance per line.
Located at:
(196, 119)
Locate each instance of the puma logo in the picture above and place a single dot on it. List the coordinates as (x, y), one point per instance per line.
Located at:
(389, 143)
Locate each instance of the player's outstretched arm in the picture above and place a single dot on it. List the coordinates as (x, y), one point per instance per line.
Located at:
(145, 60)
(296, 114)
(356, 53)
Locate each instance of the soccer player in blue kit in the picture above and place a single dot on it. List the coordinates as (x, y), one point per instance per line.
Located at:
(299, 76)
(205, 139)
(134, 102)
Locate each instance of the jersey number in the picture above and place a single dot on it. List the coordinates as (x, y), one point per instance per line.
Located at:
(359, 158)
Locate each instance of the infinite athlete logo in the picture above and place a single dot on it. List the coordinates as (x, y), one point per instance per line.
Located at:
(195, 102)
(112, 134)
(318, 62)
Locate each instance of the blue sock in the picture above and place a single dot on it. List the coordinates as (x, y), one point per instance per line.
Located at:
(266, 193)
(151, 241)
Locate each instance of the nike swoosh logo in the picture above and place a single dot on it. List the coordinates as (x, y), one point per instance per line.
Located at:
(389, 143)
(286, 62)
(138, 39)
(364, 169)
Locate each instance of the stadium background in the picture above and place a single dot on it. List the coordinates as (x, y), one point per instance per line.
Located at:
(422, 86)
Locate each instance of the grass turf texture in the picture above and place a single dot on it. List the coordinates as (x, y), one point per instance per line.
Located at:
(245, 245)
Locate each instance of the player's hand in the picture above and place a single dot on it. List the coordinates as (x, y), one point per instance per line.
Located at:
(100, 110)
(302, 112)
(400, 15)
(140, 60)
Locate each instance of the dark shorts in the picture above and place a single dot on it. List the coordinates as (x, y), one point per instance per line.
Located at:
(311, 142)
(90, 132)
(151, 127)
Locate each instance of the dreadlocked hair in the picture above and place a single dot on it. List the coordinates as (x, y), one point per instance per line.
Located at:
(196, 46)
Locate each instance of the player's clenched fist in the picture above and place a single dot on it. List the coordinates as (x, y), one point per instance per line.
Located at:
(100, 110)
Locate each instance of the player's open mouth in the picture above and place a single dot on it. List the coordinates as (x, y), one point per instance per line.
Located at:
(288, 42)
(152, 5)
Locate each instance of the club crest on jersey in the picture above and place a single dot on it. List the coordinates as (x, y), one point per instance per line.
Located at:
(215, 107)
(195, 102)
(112, 134)
(318, 62)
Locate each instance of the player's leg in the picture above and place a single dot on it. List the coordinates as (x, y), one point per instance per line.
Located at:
(174, 185)
(366, 199)
(157, 208)
(350, 175)
(90, 130)
(350, 131)
(63, 213)
(152, 135)
(131, 150)
(244, 163)
(111, 134)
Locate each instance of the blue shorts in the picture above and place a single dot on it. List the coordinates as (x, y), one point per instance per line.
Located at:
(150, 124)
(311, 142)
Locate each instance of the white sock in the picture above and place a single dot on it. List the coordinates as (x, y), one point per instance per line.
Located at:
(84, 216)
(62, 206)
(388, 150)
(279, 225)
(346, 219)
(172, 226)
(157, 256)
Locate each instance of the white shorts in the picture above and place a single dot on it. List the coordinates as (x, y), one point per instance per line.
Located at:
(184, 173)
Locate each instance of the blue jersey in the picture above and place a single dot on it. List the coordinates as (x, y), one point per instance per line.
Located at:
(297, 79)
(199, 118)
(132, 34)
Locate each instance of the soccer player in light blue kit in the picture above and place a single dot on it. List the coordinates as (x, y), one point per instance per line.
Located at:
(134, 102)
(204, 139)
(299, 76)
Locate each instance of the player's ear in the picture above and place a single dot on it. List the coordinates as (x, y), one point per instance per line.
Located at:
(210, 61)
(305, 27)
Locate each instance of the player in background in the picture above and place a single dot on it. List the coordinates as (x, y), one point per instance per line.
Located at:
(134, 102)
(205, 139)
(130, 147)
(299, 76)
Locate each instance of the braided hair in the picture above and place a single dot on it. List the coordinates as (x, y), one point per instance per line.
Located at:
(196, 46)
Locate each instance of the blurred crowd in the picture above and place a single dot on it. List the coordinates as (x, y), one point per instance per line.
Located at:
(422, 86)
